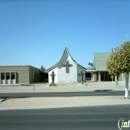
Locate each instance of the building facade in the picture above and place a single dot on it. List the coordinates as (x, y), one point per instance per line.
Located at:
(67, 70)
(19, 74)
(99, 70)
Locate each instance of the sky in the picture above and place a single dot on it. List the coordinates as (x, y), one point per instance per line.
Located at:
(36, 32)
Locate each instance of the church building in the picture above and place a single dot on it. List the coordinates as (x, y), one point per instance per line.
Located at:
(99, 71)
(67, 70)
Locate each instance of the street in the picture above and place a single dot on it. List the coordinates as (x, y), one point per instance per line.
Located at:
(61, 94)
(78, 118)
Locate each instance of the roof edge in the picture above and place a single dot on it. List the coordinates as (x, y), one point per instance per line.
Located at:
(18, 66)
(54, 66)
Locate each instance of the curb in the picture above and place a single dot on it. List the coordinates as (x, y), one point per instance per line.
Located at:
(55, 107)
(116, 89)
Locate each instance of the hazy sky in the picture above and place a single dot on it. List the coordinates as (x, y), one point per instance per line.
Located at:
(34, 32)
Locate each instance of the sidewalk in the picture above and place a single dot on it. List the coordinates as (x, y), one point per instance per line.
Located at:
(90, 86)
(56, 102)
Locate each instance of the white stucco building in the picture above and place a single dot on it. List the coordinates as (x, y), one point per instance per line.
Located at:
(66, 70)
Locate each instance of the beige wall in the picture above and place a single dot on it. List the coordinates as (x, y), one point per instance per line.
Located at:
(34, 75)
(24, 74)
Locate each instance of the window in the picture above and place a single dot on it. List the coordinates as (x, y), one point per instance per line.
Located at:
(2, 76)
(12, 75)
(7, 75)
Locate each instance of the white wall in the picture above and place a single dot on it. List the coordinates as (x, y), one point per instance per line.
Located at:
(67, 77)
(3, 81)
(72, 76)
(8, 81)
(13, 81)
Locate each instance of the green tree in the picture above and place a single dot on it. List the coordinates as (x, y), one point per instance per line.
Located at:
(119, 62)
(42, 69)
(90, 64)
(112, 64)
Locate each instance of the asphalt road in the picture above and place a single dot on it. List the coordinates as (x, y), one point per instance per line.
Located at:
(79, 118)
(61, 94)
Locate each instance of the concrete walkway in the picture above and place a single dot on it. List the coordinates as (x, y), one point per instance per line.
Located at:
(89, 86)
(56, 102)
